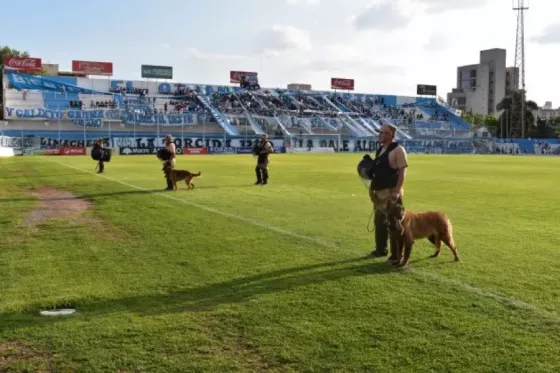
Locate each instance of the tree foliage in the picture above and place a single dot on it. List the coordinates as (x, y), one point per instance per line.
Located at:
(511, 115)
(6, 51)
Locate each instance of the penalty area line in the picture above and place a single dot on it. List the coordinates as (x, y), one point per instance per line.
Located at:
(456, 284)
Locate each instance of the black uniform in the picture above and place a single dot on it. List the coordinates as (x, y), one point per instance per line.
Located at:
(100, 164)
(384, 177)
(261, 168)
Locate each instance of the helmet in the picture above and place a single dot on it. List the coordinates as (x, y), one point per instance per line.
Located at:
(365, 170)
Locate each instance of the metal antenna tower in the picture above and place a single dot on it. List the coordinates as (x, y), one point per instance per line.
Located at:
(520, 6)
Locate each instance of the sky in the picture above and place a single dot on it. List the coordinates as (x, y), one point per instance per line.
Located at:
(386, 46)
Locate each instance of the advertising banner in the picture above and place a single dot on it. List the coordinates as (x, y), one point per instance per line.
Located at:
(75, 150)
(341, 83)
(244, 150)
(426, 90)
(92, 68)
(157, 72)
(24, 64)
(221, 150)
(193, 151)
(235, 76)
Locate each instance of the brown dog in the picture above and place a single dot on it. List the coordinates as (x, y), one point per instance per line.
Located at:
(178, 175)
(412, 226)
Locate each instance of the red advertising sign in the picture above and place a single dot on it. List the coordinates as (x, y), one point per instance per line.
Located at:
(190, 151)
(55, 151)
(341, 83)
(23, 64)
(235, 76)
(92, 68)
(74, 150)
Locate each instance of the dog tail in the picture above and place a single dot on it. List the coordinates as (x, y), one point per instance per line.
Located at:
(447, 238)
(198, 174)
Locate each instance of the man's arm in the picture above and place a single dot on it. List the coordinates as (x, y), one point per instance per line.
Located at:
(267, 149)
(401, 161)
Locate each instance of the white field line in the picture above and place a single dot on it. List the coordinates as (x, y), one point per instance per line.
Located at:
(433, 277)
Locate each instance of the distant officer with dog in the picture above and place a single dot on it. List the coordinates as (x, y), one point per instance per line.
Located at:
(170, 162)
(389, 175)
(262, 150)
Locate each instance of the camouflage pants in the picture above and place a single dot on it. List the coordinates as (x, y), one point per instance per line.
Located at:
(384, 228)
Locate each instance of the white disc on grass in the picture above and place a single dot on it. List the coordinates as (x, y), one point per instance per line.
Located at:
(61, 312)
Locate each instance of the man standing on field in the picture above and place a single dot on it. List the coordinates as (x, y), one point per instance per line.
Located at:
(389, 175)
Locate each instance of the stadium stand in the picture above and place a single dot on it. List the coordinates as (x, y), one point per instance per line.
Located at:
(133, 108)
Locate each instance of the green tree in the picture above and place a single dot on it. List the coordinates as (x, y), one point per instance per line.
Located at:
(491, 121)
(557, 120)
(468, 116)
(511, 115)
(6, 51)
(478, 120)
(543, 130)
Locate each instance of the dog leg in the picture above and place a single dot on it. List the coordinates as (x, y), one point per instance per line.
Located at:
(437, 243)
(407, 252)
(448, 240)
(407, 242)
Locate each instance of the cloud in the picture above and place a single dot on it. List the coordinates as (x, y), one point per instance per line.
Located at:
(165, 45)
(384, 15)
(441, 6)
(197, 54)
(337, 58)
(549, 35)
(436, 42)
(282, 38)
(303, 2)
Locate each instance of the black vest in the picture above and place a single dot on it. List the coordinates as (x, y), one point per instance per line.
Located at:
(384, 177)
(261, 158)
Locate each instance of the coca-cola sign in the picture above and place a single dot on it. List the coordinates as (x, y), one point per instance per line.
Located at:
(92, 68)
(340, 83)
(26, 64)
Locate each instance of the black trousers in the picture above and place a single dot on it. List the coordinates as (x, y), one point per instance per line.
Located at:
(168, 178)
(100, 167)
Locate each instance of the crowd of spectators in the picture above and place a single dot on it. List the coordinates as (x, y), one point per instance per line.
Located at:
(142, 92)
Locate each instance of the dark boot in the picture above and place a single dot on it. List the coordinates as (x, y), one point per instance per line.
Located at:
(169, 184)
(381, 235)
(259, 175)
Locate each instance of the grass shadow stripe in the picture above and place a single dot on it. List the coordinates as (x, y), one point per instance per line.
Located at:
(426, 275)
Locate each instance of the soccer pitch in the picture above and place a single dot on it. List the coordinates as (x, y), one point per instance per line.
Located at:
(233, 277)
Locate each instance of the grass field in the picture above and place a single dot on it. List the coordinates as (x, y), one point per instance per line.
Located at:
(238, 278)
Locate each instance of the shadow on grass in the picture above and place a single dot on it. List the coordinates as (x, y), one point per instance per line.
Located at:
(208, 296)
(91, 196)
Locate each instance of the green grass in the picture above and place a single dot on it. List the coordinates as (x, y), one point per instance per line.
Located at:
(238, 278)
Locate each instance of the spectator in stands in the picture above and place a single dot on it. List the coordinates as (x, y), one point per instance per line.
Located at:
(389, 177)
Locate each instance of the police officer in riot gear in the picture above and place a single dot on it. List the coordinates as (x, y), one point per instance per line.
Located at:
(262, 150)
(100, 165)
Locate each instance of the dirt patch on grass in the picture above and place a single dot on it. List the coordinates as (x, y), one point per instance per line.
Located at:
(55, 204)
(15, 355)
